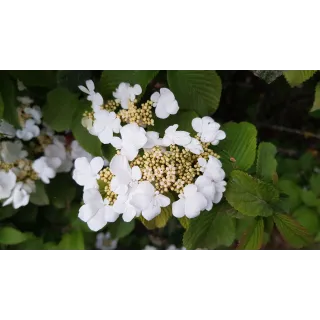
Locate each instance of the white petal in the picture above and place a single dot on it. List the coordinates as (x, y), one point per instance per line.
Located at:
(137, 89)
(97, 222)
(116, 142)
(189, 190)
(106, 136)
(161, 112)
(82, 164)
(162, 200)
(178, 208)
(140, 201)
(197, 124)
(221, 135)
(155, 97)
(151, 212)
(129, 214)
(85, 213)
(84, 89)
(90, 85)
(96, 164)
(136, 173)
(173, 107)
(92, 196)
(119, 163)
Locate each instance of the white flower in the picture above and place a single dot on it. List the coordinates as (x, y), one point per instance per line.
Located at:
(125, 176)
(207, 187)
(85, 173)
(35, 113)
(88, 124)
(25, 100)
(58, 150)
(153, 140)
(104, 241)
(132, 139)
(105, 124)
(96, 212)
(93, 96)
(20, 195)
(165, 103)
(46, 168)
(7, 129)
(220, 187)
(194, 146)
(172, 136)
(7, 183)
(77, 151)
(208, 130)
(29, 131)
(20, 85)
(123, 205)
(191, 203)
(125, 92)
(148, 200)
(12, 151)
(212, 168)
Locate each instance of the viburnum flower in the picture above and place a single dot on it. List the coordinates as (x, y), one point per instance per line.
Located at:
(20, 195)
(125, 176)
(105, 242)
(12, 151)
(29, 131)
(7, 183)
(35, 113)
(208, 130)
(132, 139)
(172, 136)
(58, 150)
(86, 174)
(207, 187)
(165, 103)
(212, 168)
(7, 129)
(105, 124)
(191, 203)
(148, 200)
(194, 146)
(21, 86)
(220, 187)
(125, 92)
(46, 168)
(153, 140)
(96, 212)
(93, 96)
(25, 100)
(77, 151)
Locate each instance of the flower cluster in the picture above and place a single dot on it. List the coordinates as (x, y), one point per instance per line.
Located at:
(32, 152)
(147, 172)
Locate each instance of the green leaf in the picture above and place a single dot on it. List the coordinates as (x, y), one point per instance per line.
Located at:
(36, 78)
(291, 231)
(315, 184)
(72, 241)
(61, 190)
(121, 229)
(292, 190)
(266, 162)
(296, 77)
(59, 110)
(267, 75)
(308, 218)
(307, 161)
(210, 229)
(182, 118)
(250, 196)
(71, 79)
(9, 97)
(6, 212)
(316, 101)
(108, 151)
(1, 106)
(39, 197)
(238, 149)
(253, 237)
(110, 79)
(87, 141)
(185, 222)
(309, 198)
(196, 90)
(10, 236)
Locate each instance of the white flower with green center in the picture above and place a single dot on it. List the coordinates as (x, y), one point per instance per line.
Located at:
(125, 93)
(165, 103)
(7, 183)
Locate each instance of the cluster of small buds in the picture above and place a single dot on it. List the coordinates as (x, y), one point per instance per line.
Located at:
(105, 177)
(25, 170)
(43, 141)
(142, 116)
(111, 105)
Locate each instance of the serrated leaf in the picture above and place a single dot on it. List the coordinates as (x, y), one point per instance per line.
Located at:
(159, 221)
(36, 78)
(238, 149)
(10, 236)
(267, 75)
(9, 97)
(110, 79)
(59, 110)
(120, 228)
(39, 197)
(87, 141)
(72, 241)
(308, 218)
(196, 90)
(210, 229)
(266, 162)
(291, 231)
(250, 196)
(185, 222)
(292, 190)
(296, 77)
(252, 239)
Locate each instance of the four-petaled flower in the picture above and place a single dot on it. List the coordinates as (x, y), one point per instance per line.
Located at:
(165, 103)
(95, 97)
(153, 140)
(172, 136)
(46, 168)
(29, 131)
(12, 151)
(212, 168)
(20, 195)
(125, 92)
